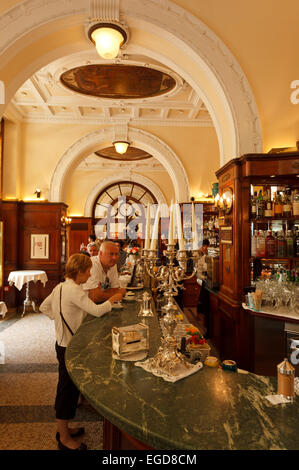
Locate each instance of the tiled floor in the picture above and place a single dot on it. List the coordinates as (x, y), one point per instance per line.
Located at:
(28, 380)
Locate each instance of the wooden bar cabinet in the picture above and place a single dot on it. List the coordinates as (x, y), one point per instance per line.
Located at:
(255, 341)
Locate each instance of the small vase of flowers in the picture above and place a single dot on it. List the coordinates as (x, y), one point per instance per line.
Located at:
(196, 341)
(132, 254)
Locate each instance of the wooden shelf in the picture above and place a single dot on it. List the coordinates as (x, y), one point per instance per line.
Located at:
(271, 219)
(277, 260)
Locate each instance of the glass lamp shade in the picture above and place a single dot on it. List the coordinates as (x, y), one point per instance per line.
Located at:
(107, 41)
(121, 147)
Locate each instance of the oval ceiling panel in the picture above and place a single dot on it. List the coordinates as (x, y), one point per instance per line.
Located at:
(117, 81)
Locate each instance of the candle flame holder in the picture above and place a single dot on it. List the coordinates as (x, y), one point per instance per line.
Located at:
(168, 358)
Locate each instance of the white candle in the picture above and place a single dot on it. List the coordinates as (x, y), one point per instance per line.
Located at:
(194, 231)
(155, 230)
(148, 228)
(179, 226)
(170, 230)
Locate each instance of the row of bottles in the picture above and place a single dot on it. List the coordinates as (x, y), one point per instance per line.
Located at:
(211, 230)
(282, 275)
(283, 203)
(272, 245)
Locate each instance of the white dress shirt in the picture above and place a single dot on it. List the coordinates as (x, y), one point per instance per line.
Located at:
(98, 276)
(75, 304)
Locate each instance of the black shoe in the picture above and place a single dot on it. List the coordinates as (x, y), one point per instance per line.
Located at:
(75, 434)
(63, 447)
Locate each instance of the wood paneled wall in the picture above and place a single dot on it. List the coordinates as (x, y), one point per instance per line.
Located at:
(78, 232)
(20, 221)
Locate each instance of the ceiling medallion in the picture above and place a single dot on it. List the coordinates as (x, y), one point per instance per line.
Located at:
(117, 81)
(132, 154)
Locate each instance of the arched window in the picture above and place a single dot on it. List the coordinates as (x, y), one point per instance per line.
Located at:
(119, 210)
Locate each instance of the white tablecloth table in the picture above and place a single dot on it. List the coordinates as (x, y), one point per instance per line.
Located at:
(19, 278)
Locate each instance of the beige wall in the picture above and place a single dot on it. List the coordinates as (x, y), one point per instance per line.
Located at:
(82, 182)
(263, 37)
(198, 150)
(42, 145)
(12, 162)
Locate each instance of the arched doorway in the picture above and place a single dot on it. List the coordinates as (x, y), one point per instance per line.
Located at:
(99, 139)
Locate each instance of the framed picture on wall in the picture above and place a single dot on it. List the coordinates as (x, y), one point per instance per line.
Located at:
(39, 246)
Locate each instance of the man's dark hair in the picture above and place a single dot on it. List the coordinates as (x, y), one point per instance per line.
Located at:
(92, 237)
(206, 242)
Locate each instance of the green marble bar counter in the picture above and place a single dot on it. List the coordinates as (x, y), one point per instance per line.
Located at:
(211, 409)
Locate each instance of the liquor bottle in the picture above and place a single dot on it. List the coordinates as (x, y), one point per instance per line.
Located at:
(260, 206)
(260, 245)
(295, 198)
(253, 205)
(270, 245)
(290, 244)
(281, 246)
(253, 244)
(277, 206)
(286, 206)
(268, 206)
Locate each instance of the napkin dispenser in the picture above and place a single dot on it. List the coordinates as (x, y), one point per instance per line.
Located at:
(130, 339)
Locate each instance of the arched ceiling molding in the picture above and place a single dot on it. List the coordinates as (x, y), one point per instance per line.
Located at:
(103, 137)
(174, 24)
(121, 176)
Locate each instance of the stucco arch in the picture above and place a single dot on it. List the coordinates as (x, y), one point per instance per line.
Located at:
(202, 57)
(103, 137)
(133, 176)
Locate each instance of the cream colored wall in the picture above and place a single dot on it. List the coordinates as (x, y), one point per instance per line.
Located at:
(82, 182)
(12, 162)
(42, 145)
(198, 150)
(263, 37)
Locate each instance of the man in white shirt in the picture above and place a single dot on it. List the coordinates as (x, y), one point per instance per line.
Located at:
(104, 281)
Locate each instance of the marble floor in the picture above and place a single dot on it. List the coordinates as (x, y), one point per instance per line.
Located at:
(28, 379)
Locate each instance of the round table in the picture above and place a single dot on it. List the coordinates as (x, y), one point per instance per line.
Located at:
(19, 278)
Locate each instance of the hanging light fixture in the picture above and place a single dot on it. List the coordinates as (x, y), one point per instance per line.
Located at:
(108, 38)
(121, 146)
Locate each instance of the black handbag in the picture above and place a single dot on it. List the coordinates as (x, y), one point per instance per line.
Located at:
(62, 317)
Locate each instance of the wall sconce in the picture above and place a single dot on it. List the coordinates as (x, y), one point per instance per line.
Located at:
(224, 202)
(65, 220)
(38, 193)
(108, 38)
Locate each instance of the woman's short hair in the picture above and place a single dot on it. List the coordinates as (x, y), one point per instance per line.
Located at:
(77, 263)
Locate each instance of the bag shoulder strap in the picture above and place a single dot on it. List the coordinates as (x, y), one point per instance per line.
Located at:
(63, 319)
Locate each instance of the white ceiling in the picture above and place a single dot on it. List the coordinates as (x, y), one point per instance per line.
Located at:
(43, 98)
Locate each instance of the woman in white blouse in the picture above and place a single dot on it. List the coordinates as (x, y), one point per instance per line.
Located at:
(67, 305)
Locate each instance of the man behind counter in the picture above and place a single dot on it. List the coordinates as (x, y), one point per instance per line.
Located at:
(103, 281)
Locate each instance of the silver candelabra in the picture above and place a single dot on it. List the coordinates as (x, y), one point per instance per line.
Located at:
(168, 358)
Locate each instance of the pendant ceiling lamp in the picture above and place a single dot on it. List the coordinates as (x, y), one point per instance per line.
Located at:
(108, 38)
(121, 146)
